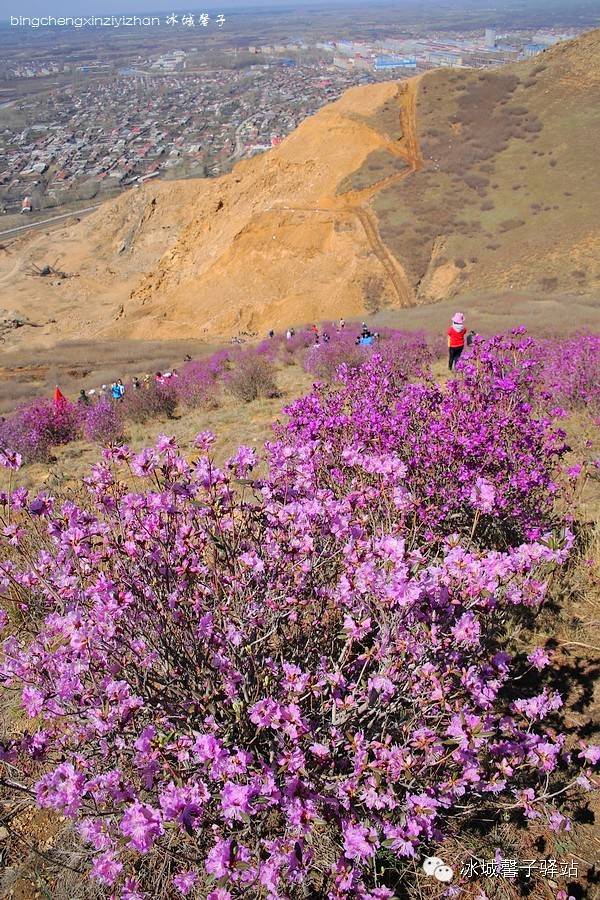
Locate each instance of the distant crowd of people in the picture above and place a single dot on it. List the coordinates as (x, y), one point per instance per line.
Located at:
(365, 338)
(117, 390)
(458, 338)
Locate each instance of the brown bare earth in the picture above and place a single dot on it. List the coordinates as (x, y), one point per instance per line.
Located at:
(461, 187)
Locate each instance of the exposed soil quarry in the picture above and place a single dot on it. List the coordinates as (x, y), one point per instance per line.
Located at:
(399, 194)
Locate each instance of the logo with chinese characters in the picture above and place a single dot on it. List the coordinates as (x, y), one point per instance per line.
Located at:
(513, 868)
(189, 20)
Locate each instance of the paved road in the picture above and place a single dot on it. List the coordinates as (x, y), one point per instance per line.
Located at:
(76, 212)
(239, 149)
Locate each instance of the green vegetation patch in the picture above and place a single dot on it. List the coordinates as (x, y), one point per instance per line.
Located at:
(385, 119)
(379, 164)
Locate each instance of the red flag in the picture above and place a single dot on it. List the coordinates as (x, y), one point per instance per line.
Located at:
(59, 397)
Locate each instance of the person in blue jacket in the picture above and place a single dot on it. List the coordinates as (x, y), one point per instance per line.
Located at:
(117, 390)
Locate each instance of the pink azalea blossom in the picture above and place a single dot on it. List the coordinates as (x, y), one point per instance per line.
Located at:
(185, 882)
(106, 868)
(540, 658)
(591, 754)
(360, 842)
(142, 825)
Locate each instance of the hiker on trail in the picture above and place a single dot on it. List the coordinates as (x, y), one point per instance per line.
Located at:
(342, 325)
(117, 390)
(135, 383)
(83, 399)
(271, 333)
(288, 334)
(159, 378)
(469, 338)
(456, 339)
(326, 337)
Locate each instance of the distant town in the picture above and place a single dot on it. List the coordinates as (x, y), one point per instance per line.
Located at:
(79, 125)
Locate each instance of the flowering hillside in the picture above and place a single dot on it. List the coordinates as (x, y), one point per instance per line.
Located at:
(562, 369)
(300, 685)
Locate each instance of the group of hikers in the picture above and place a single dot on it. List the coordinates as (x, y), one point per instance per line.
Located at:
(116, 390)
(366, 337)
(458, 338)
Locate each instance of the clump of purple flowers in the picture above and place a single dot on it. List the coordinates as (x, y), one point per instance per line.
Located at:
(36, 427)
(302, 687)
(407, 350)
(103, 422)
(470, 458)
(569, 371)
(152, 401)
(200, 380)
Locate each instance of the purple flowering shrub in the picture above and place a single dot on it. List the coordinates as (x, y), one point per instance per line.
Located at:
(471, 459)
(252, 375)
(272, 694)
(324, 360)
(292, 351)
(561, 371)
(199, 381)
(570, 371)
(296, 689)
(269, 348)
(151, 401)
(103, 422)
(409, 351)
(38, 426)
(438, 346)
